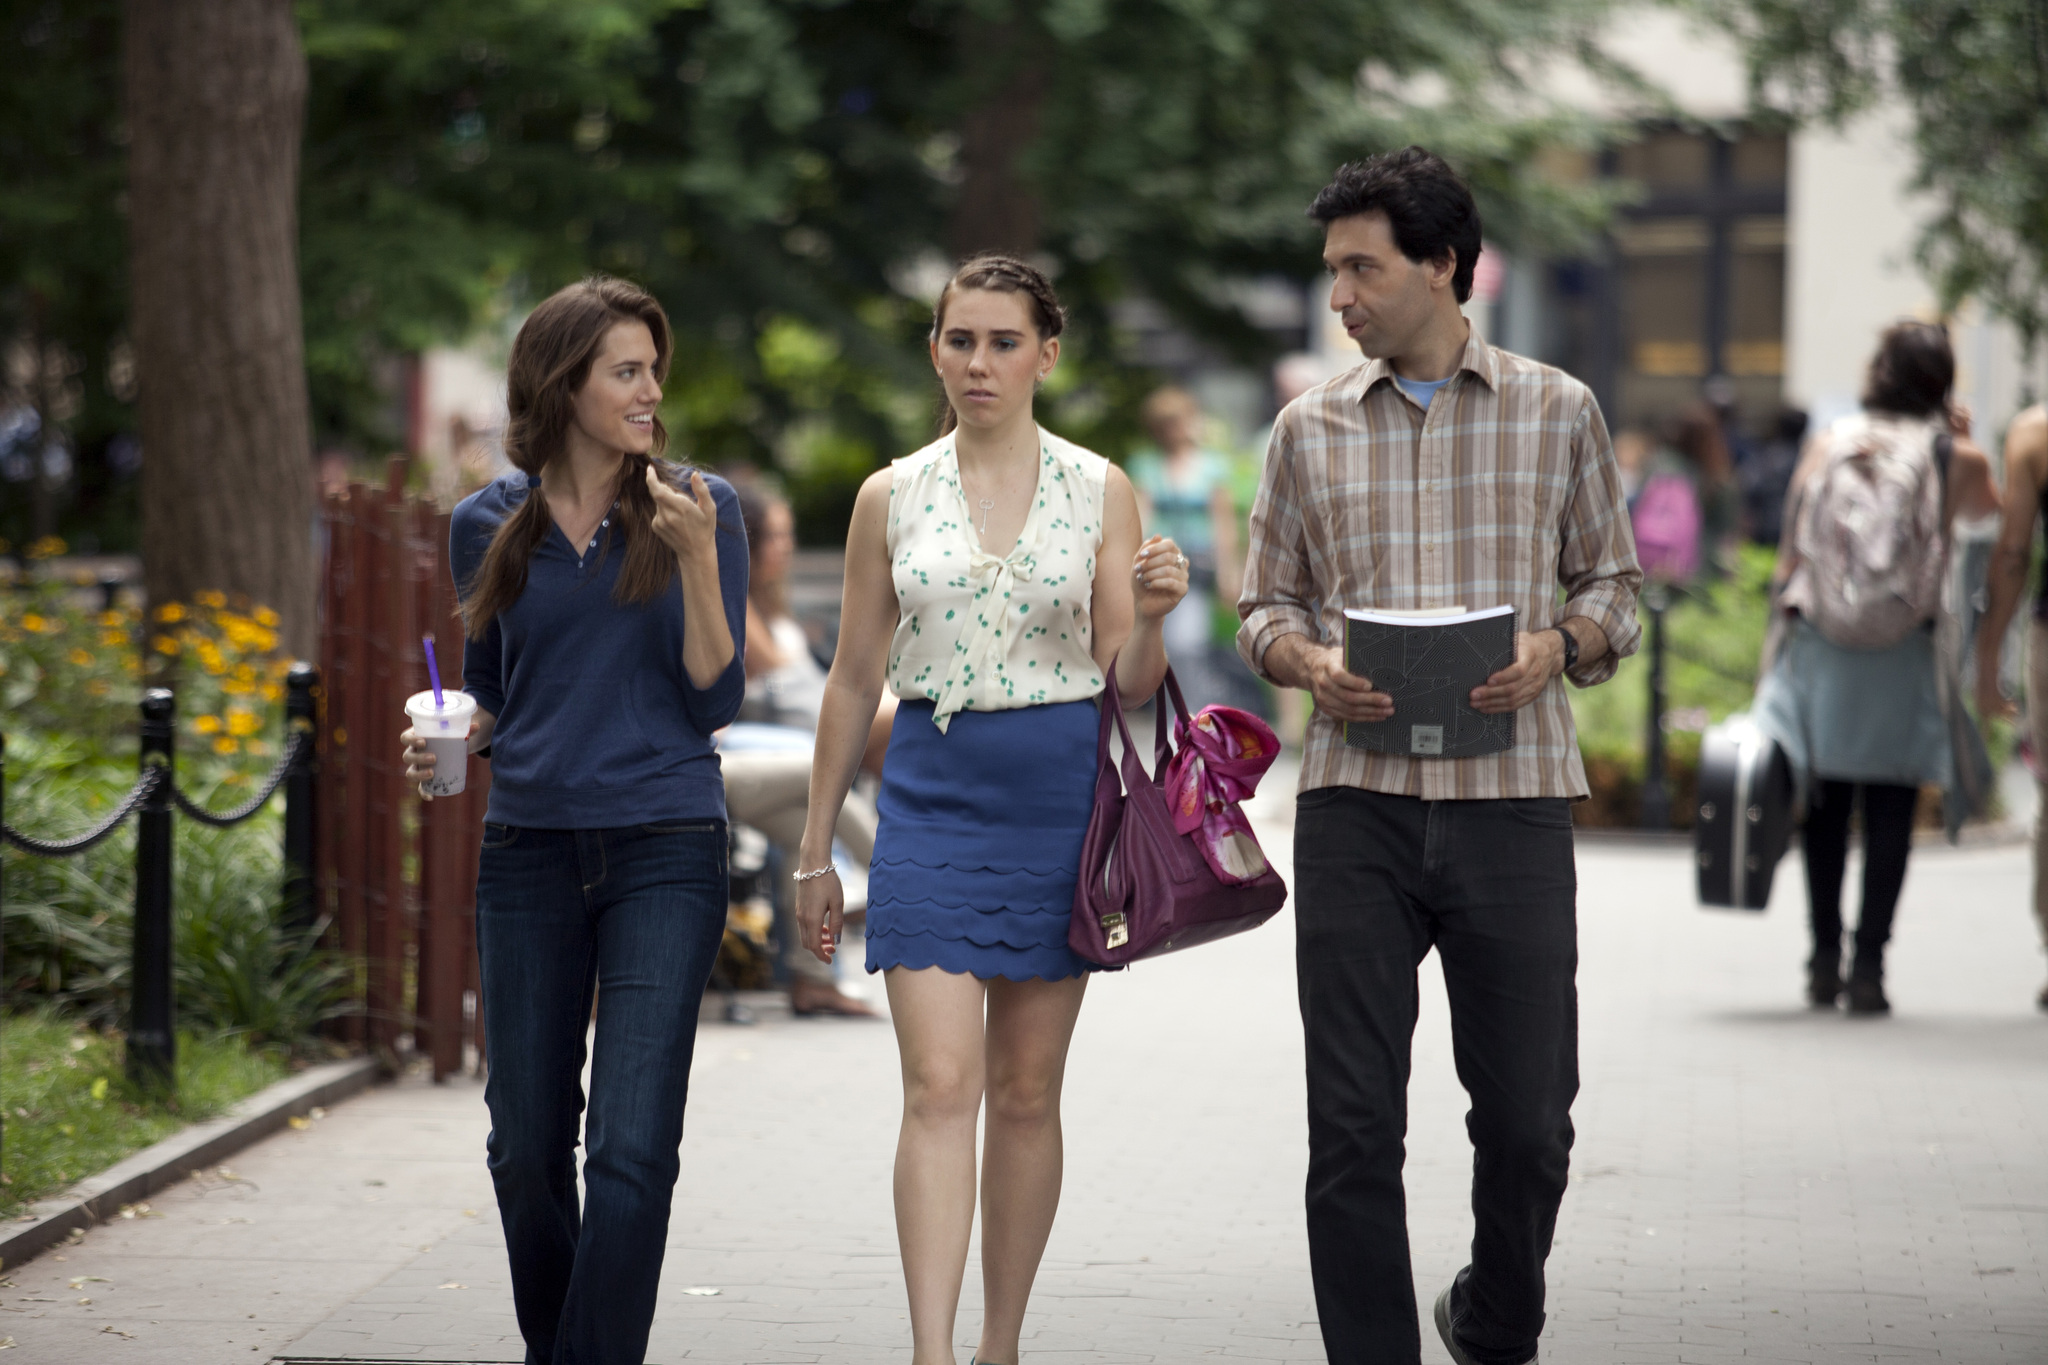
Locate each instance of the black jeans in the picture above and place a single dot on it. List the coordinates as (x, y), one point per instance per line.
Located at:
(638, 912)
(1492, 886)
(1887, 840)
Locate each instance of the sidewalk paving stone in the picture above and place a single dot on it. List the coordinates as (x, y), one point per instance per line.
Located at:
(1752, 1181)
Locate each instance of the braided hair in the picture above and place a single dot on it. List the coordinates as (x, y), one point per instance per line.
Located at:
(1004, 275)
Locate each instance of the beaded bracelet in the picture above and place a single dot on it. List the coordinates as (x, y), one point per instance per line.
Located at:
(814, 874)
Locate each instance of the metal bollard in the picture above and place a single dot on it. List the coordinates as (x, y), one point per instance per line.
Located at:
(110, 591)
(301, 717)
(1656, 812)
(152, 1036)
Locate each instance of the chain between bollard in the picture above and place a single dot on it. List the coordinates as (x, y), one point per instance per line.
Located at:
(298, 743)
(144, 788)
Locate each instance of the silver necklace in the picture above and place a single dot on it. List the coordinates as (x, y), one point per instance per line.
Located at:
(985, 504)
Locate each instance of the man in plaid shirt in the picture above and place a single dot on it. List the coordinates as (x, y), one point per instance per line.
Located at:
(1441, 473)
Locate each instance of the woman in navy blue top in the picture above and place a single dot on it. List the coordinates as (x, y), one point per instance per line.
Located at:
(605, 598)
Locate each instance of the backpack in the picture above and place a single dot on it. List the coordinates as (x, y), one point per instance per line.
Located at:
(1666, 518)
(1868, 532)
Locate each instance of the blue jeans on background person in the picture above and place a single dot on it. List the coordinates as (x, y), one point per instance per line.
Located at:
(638, 914)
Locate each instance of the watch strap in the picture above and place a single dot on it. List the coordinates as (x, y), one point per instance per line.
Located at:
(1571, 648)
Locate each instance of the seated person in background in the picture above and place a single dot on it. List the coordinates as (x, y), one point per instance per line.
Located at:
(770, 789)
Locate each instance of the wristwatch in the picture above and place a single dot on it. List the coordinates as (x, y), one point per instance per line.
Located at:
(1571, 649)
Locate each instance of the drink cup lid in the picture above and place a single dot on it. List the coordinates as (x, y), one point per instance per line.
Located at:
(454, 704)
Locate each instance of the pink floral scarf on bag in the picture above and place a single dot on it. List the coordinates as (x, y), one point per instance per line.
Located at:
(1218, 760)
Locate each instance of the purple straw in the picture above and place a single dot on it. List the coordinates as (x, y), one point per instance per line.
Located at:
(433, 671)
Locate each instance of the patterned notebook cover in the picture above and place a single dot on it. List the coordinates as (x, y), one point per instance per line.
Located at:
(1430, 664)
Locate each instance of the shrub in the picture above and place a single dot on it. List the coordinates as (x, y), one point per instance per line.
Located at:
(70, 681)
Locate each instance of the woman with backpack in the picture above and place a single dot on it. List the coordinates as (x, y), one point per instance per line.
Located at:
(1851, 694)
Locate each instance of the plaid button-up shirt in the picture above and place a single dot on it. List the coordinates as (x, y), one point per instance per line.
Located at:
(1504, 491)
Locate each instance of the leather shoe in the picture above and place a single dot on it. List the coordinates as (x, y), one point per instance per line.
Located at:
(1443, 1329)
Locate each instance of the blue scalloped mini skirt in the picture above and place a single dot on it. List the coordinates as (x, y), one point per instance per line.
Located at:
(979, 841)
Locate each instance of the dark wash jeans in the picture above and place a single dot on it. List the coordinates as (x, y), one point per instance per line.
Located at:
(638, 913)
(1379, 880)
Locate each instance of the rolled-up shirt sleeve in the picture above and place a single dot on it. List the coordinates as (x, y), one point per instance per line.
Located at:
(1597, 558)
(1279, 596)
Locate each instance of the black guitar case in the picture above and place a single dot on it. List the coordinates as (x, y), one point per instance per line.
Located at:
(1745, 816)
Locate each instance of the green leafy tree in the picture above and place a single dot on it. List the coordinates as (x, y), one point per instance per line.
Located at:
(785, 173)
(1974, 76)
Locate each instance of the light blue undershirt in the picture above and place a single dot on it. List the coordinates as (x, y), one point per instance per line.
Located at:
(1421, 390)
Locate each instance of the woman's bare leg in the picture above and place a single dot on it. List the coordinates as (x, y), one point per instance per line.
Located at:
(1030, 1024)
(938, 1020)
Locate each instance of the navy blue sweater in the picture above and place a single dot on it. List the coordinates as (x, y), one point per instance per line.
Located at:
(598, 724)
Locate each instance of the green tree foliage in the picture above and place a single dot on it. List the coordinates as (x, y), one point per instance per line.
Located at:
(1974, 74)
(783, 173)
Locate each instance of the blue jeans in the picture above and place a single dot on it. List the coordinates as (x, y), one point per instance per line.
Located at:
(639, 913)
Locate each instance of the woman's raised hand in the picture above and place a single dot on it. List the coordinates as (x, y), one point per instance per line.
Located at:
(820, 914)
(687, 525)
(1159, 578)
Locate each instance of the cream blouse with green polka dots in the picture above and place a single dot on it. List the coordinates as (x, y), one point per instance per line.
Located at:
(980, 633)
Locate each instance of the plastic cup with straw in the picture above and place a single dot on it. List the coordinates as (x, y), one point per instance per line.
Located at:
(442, 720)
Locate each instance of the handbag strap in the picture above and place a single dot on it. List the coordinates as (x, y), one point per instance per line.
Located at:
(1113, 712)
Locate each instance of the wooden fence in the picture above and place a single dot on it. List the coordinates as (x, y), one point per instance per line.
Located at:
(397, 874)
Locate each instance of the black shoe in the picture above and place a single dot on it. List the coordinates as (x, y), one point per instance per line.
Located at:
(1823, 986)
(1866, 996)
(2042, 998)
(1443, 1329)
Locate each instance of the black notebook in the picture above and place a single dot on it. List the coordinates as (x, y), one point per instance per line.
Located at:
(1429, 663)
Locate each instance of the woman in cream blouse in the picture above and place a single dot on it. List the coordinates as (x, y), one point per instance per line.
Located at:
(990, 579)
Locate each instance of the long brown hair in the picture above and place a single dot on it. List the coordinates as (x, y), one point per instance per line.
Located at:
(551, 360)
(1004, 275)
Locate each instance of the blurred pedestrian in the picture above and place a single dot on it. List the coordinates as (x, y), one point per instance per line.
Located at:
(1444, 472)
(2026, 497)
(1694, 436)
(1766, 475)
(1184, 494)
(990, 579)
(1852, 692)
(605, 596)
(770, 789)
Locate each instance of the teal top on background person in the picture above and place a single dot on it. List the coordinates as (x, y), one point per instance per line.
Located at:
(1181, 506)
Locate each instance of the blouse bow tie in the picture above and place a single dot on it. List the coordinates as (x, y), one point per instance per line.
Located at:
(983, 643)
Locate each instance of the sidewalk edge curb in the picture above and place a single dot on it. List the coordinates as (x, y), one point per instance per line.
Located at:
(98, 1197)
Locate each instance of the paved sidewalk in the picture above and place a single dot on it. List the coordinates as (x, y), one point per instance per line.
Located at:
(1751, 1182)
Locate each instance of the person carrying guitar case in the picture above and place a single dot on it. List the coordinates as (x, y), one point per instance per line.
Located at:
(1856, 692)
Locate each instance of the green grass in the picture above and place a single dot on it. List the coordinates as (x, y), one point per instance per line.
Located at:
(70, 1113)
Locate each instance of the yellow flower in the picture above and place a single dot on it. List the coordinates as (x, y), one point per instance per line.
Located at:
(80, 657)
(31, 621)
(206, 725)
(98, 687)
(215, 600)
(113, 639)
(113, 618)
(265, 617)
(271, 692)
(49, 547)
(164, 644)
(242, 722)
(224, 745)
(258, 748)
(170, 611)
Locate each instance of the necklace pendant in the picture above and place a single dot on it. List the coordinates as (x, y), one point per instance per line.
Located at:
(985, 504)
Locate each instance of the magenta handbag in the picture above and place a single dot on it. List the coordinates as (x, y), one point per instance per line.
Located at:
(1169, 860)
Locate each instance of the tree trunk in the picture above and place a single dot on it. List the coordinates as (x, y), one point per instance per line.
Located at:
(997, 210)
(216, 102)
